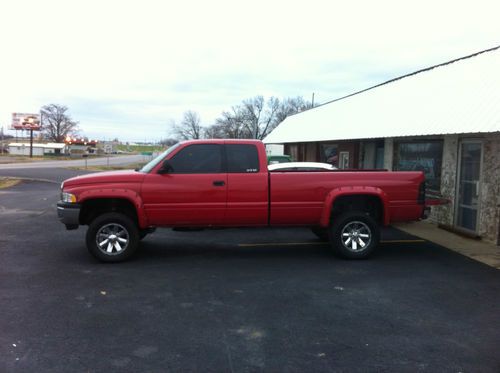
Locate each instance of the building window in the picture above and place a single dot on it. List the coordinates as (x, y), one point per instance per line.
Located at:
(293, 151)
(421, 156)
(329, 154)
(344, 160)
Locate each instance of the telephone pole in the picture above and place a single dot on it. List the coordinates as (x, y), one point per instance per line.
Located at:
(1, 135)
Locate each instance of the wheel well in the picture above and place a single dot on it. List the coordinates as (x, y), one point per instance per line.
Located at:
(95, 207)
(369, 204)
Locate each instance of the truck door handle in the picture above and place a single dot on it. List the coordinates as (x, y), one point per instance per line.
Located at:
(219, 183)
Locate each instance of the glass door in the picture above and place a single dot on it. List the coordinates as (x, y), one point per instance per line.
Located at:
(468, 185)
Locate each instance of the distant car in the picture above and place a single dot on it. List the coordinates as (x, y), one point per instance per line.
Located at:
(301, 166)
(274, 159)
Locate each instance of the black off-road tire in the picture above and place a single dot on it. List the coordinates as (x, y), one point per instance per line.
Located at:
(354, 235)
(112, 237)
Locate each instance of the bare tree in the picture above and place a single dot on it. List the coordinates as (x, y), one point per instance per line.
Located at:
(189, 128)
(229, 125)
(291, 106)
(56, 123)
(241, 122)
(168, 142)
(255, 117)
(260, 115)
(214, 132)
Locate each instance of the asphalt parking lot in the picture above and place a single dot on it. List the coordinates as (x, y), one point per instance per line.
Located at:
(236, 300)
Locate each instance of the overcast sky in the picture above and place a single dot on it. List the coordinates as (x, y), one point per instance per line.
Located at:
(127, 68)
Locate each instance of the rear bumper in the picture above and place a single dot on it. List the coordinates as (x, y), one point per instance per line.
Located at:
(68, 214)
(429, 202)
(436, 201)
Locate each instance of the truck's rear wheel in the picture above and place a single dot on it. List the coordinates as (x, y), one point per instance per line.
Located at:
(354, 235)
(112, 237)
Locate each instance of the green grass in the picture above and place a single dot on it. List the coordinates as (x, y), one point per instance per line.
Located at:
(140, 148)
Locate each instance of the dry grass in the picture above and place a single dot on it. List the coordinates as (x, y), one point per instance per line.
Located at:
(7, 182)
(18, 159)
(109, 168)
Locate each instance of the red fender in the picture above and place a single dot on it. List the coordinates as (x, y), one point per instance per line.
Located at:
(353, 190)
(116, 193)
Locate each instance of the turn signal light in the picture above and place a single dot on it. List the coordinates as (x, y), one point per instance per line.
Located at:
(68, 197)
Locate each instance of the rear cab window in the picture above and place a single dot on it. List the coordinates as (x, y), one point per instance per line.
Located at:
(242, 158)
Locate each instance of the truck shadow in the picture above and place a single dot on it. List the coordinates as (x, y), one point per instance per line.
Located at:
(188, 249)
(283, 243)
(307, 251)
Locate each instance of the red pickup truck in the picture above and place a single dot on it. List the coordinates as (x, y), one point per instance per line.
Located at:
(226, 183)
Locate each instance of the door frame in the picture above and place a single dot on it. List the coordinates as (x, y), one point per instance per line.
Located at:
(458, 183)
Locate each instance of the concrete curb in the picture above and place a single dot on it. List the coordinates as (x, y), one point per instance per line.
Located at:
(484, 252)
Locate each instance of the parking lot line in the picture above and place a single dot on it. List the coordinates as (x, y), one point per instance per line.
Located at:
(402, 241)
(316, 243)
(281, 244)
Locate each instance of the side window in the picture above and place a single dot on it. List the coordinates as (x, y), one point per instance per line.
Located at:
(198, 159)
(242, 158)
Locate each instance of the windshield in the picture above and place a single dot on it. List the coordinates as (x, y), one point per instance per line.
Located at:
(150, 165)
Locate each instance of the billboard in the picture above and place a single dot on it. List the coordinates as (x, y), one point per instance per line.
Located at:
(25, 121)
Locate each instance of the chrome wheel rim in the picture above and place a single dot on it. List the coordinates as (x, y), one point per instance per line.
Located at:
(356, 236)
(112, 239)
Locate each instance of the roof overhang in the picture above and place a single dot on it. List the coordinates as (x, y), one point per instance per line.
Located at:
(455, 98)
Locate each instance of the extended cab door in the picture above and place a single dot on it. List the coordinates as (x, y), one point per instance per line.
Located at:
(193, 193)
(247, 185)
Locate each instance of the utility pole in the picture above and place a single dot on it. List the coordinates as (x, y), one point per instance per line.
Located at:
(1, 144)
(312, 103)
(31, 121)
(31, 142)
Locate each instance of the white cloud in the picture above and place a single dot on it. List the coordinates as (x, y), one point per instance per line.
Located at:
(148, 61)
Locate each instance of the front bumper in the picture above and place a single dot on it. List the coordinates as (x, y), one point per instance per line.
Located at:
(68, 214)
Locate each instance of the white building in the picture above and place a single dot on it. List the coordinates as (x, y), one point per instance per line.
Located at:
(444, 120)
(38, 149)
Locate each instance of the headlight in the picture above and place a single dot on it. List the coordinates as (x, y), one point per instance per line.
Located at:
(68, 197)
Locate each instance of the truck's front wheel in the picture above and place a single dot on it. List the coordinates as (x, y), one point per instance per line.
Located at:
(112, 237)
(354, 235)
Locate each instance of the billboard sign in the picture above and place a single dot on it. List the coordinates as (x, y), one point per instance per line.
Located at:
(26, 121)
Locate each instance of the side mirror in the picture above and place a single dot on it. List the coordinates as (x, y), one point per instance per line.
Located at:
(166, 167)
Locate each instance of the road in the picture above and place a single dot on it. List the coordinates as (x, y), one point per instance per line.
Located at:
(58, 171)
(238, 300)
(91, 161)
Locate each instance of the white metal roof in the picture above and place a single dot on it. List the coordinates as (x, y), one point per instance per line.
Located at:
(50, 145)
(459, 97)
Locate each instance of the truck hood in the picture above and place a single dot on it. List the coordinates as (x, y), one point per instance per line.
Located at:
(125, 176)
